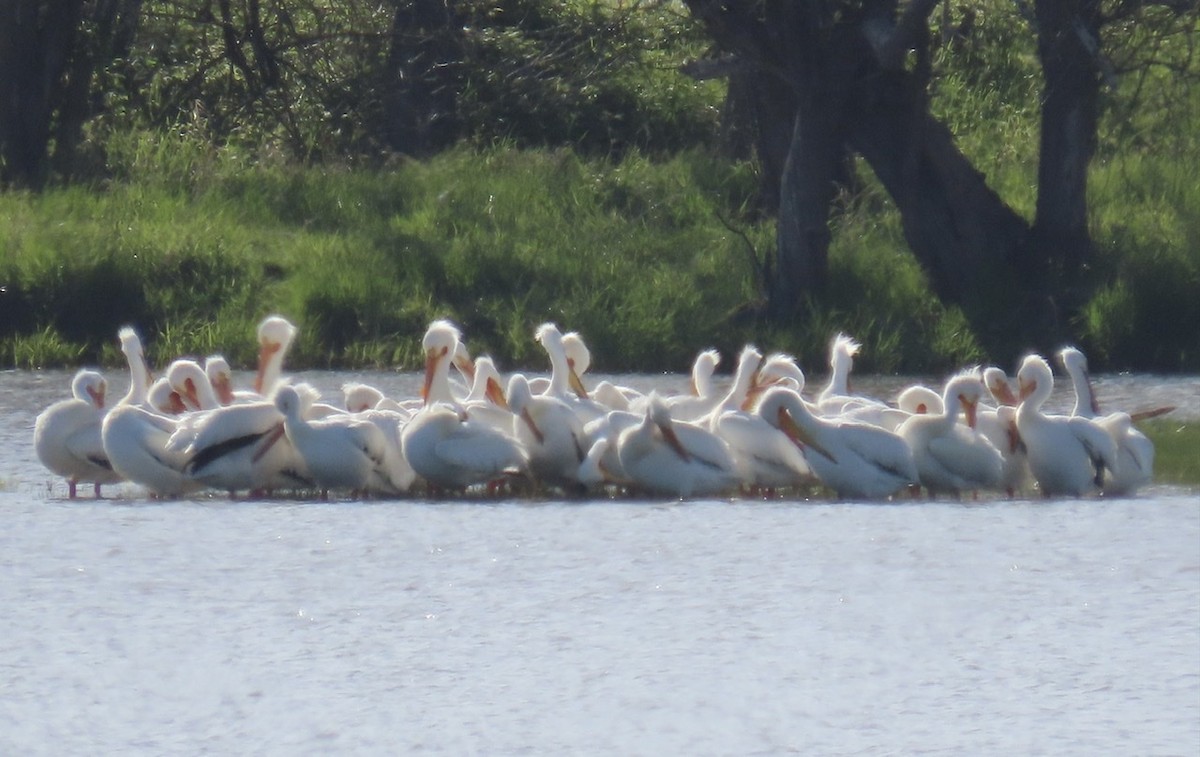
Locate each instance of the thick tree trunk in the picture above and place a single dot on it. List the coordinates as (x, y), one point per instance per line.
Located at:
(1068, 41)
(961, 232)
(420, 109)
(36, 38)
(807, 191)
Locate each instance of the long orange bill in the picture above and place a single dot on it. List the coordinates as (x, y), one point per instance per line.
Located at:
(672, 440)
(495, 393)
(1025, 388)
(971, 410)
(537, 432)
(273, 436)
(265, 351)
(432, 358)
(575, 382)
(799, 436)
(97, 396)
(190, 394)
(224, 389)
(1143, 415)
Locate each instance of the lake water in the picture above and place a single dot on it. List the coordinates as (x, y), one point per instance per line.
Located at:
(709, 627)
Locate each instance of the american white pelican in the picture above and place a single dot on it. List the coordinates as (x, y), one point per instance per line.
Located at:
(1135, 452)
(702, 395)
(766, 458)
(1067, 455)
(738, 396)
(675, 459)
(451, 451)
(66, 435)
(854, 459)
(190, 381)
(275, 336)
(951, 457)
(136, 441)
(139, 371)
(565, 383)
(487, 401)
(357, 396)
(221, 377)
(606, 393)
(440, 344)
(240, 447)
(340, 452)
(550, 431)
(135, 435)
(836, 398)
(913, 400)
(395, 475)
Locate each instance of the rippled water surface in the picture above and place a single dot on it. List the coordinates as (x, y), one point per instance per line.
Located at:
(602, 627)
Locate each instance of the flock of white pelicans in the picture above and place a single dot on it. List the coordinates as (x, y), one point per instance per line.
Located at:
(480, 435)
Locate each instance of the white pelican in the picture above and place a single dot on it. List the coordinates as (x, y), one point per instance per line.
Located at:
(451, 451)
(395, 475)
(1067, 455)
(357, 396)
(550, 431)
(275, 336)
(766, 458)
(1000, 387)
(836, 398)
(702, 395)
(738, 396)
(854, 459)
(66, 435)
(216, 367)
(240, 447)
(1134, 467)
(579, 358)
(951, 457)
(565, 383)
(675, 459)
(487, 401)
(913, 400)
(136, 441)
(340, 451)
(193, 385)
(135, 435)
(139, 371)
(440, 344)
(162, 398)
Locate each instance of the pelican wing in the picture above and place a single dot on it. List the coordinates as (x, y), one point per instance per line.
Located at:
(480, 448)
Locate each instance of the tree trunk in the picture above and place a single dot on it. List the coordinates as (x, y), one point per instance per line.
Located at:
(807, 191)
(36, 39)
(1068, 40)
(420, 106)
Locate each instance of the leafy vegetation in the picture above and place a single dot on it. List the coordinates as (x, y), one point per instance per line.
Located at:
(583, 187)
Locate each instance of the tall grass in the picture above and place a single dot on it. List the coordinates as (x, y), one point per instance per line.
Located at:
(652, 260)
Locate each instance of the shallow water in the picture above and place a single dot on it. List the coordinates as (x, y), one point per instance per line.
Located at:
(606, 627)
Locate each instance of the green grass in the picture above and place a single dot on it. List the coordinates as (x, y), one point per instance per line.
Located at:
(1176, 450)
(636, 254)
(652, 260)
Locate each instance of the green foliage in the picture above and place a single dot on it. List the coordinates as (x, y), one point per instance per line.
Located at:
(1146, 306)
(601, 77)
(1175, 445)
(649, 259)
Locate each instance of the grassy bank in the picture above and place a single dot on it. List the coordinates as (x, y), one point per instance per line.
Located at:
(651, 260)
(1176, 451)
